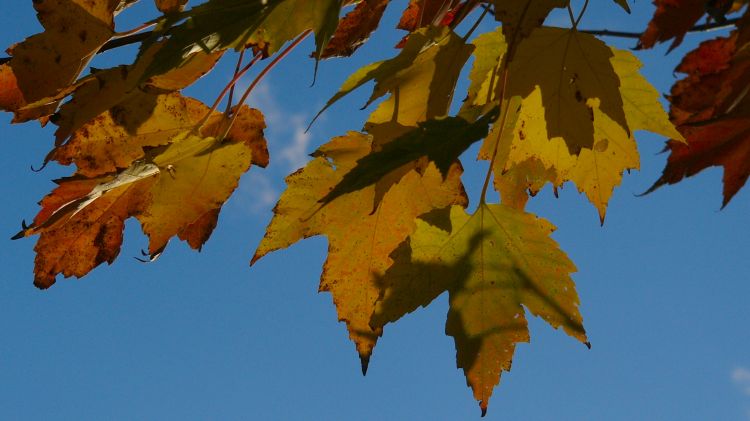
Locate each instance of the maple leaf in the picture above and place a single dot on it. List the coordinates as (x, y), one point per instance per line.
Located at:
(623, 4)
(47, 62)
(174, 189)
(492, 263)
(118, 137)
(221, 24)
(519, 18)
(355, 28)
(573, 72)
(421, 80)
(672, 19)
(170, 6)
(360, 238)
(441, 141)
(530, 154)
(109, 89)
(711, 109)
(421, 13)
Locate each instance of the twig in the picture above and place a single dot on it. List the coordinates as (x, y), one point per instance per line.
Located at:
(260, 76)
(706, 27)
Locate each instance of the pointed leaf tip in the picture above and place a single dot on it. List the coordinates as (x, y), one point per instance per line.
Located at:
(364, 360)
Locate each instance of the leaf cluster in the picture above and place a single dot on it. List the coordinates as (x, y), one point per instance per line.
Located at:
(548, 105)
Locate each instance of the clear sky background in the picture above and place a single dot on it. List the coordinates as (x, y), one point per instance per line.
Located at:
(664, 288)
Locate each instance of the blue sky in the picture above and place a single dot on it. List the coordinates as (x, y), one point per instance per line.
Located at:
(663, 285)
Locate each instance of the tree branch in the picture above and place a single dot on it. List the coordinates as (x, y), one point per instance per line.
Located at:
(706, 27)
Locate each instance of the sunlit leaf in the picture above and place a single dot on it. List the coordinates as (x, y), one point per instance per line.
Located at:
(174, 189)
(493, 264)
(47, 62)
(360, 238)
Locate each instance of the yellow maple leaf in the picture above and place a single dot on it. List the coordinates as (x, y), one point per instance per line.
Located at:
(420, 80)
(521, 17)
(572, 70)
(491, 263)
(360, 238)
(531, 155)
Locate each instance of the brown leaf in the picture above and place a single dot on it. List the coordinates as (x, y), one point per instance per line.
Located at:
(711, 109)
(355, 28)
(177, 188)
(672, 19)
(47, 62)
(170, 6)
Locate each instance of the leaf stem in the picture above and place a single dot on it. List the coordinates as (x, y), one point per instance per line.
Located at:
(476, 24)
(228, 87)
(503, 118)
(260, 76)
(580, 15)
(137, 29)
(231, 90)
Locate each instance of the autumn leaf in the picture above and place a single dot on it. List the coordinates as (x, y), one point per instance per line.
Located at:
(360, 238)
(421, 13)
(574, 74)
(441, 141)
(47, 62)
(623, 4)
(111, 88)
(519, 18)
(217, 25)
(711, 109)
(672, 19)
(355, 28)
(532, 154)
(170, 6)
(421, 80)
(493, 264)
(173, 189)
(118, 137)
(422, 90)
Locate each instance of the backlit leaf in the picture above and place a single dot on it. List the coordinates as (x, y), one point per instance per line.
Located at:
(174, 189)
(672, 19)
(493, 264)
(354, 28)
(532, 154)
(520, 17)
(360, 238)
(574, 73)
(266, 25)
(170, 6)
(711, 109)
(421, 79)
(441, 141)
(47, 62)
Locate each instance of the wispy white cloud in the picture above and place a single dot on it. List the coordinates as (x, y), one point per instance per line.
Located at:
(288, 141)
(257, 193)
(295, 153)
(741, 377)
